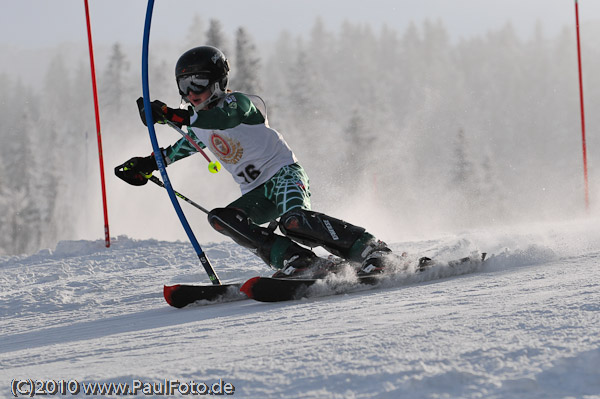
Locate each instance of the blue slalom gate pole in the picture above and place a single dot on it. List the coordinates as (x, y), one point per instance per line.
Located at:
(158, 153)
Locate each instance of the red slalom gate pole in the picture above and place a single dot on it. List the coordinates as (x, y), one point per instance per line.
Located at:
(95, 91)
(585, 169)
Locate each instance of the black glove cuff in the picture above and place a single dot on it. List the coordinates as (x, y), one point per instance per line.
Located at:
(147, 164)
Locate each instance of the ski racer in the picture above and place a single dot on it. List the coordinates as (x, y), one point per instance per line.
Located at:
(234, 127)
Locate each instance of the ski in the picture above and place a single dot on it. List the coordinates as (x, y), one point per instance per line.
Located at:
(270, 289)
(181, 295)
(278, 289)
(273, 289)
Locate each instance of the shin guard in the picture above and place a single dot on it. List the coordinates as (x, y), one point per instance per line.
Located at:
(317, 229)
(273, 249)
(235, 224)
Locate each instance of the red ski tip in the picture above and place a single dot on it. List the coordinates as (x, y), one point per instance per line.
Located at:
(168, 291)
(247, 287)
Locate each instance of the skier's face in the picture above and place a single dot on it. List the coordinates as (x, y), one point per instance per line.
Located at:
(197, 98)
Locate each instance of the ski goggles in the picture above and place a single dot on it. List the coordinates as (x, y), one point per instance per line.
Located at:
(194, 83)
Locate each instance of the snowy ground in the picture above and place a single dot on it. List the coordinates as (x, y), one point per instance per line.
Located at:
(525, 325)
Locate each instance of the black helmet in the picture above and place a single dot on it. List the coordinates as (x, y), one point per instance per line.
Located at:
(200, 68)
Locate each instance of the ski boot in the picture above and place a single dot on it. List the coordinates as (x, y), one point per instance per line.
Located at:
(425, 263)
(377, 260)
(299, 266)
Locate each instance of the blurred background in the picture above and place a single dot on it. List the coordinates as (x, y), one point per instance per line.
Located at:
(411, 118)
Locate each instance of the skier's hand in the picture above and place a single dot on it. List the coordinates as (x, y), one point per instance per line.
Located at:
(137, 170)
(160, 113)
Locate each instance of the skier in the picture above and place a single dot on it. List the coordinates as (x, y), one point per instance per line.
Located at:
(234, 127)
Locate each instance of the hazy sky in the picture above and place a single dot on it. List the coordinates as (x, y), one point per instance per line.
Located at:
(32, 23)
(31, 29)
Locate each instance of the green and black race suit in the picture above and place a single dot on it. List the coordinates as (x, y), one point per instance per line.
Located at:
(236, 130)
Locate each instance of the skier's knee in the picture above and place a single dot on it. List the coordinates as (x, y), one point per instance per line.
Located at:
(225, 220)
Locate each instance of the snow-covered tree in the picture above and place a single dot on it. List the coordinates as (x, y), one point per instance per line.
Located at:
(114, 87)
(195, 35)
(246, 70)
(341, 97)
(216, 37)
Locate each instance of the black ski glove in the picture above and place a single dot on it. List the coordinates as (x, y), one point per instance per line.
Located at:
(136, 170)
(160, 113)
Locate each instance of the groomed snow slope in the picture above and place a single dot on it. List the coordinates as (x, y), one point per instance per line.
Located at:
(525, 325)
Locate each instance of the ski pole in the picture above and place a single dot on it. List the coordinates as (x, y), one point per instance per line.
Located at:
(213, 167)
(119, 171)
(157, 181)
(188, 138)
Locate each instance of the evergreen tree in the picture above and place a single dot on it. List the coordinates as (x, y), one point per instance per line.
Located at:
(276, 74)
(358, 141)
(411, 90)
(215, 36)
(195, 35)
(302, 96)
(463, 166)
(82, 98)
(24, 225)
(7, 131)
(389, 49)
(247, 63)
(57, 88)
(357, 65)
(114, 87)
(4, 215)
(162, 79)
(494, 206)
(321, 47)
(466, 183)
